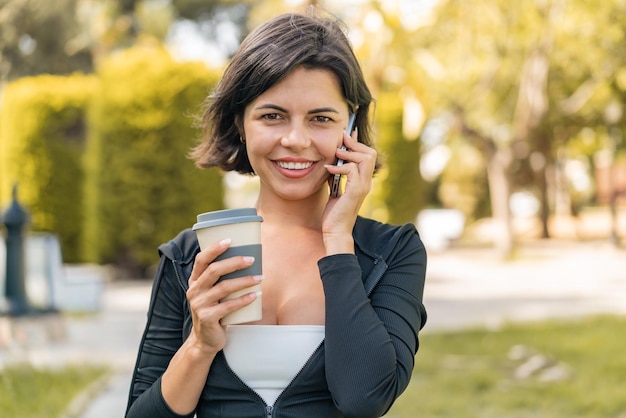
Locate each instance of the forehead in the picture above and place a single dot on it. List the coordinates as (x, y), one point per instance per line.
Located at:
(306, 84)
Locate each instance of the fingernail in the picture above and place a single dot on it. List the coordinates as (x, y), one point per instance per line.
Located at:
(258, 278)
(248, 259)
(225, 242)
(255, 295)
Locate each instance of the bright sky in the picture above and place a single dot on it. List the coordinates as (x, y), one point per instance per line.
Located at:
(187, 43)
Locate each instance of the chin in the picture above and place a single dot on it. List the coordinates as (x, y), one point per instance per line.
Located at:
(298, 193)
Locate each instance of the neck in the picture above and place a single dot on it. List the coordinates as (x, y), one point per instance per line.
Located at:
(305, 213)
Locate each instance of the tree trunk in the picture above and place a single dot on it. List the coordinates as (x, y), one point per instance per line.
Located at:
(544, 210)
(498, 177)
(498, 169)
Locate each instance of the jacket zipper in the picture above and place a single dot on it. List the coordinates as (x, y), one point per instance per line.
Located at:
(300, 371)
(379, 269)
(180, 280)
(269, 409)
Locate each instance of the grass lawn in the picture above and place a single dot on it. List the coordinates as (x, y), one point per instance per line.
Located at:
(555, 369)
(26, 392)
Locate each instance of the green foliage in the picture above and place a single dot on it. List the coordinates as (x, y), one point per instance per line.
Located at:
(131, 186)
(42, 141)
(523, 80)
(401, 189)
(154, 18)
(27, 392)
(141, 187)
(41, 37)
(199, 9)
(489, 63)
(550, 369)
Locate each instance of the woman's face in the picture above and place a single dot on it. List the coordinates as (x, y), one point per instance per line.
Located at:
(293, 129)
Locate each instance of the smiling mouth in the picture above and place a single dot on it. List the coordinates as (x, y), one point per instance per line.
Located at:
(294, 165)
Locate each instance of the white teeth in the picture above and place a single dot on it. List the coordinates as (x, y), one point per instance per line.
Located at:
(294, 165)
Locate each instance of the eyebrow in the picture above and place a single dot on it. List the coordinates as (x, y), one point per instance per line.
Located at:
(282, 109)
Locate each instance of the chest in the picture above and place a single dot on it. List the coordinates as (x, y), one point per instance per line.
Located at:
(292, 289)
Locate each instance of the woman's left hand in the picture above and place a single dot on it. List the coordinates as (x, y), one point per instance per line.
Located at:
(341, 211)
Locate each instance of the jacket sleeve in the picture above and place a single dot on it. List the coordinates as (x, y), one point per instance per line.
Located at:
(162, 337)
(371, 340)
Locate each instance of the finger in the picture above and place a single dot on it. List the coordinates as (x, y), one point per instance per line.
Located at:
(364, 162)
(354, 149)
(228, 306)
(207, 256)
(215, 270)
(199, 296)
(351, 140)
(225, 288)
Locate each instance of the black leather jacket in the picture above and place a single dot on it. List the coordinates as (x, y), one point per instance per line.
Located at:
(374, 311)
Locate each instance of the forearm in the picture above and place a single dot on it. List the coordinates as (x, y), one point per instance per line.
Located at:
(185, 377)
(360, 358)
(161, 340)
(370, 339)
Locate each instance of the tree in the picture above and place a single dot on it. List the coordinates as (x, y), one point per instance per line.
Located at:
(520, 84)
(26, 45)
(381, 38)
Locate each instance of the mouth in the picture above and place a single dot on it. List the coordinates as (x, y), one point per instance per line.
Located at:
(295, 169)
(291, 165)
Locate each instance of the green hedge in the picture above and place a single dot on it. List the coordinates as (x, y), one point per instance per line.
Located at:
(141, 188)
(41, 145)
(402, 188)
(101, 160)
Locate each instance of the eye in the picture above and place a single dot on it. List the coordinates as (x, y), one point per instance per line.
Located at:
(322, 119)
(271, 116)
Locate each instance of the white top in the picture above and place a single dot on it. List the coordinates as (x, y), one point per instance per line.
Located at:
(268, 357)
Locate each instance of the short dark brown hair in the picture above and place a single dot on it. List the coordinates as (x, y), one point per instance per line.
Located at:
(265, 57)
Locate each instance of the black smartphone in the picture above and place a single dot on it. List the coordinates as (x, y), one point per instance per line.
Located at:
(334, 189)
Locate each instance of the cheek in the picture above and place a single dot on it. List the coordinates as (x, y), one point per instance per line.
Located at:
(258, 149)
(328, 145)
(257, 140)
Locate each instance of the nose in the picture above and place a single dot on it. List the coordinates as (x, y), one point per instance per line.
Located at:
(297, 137)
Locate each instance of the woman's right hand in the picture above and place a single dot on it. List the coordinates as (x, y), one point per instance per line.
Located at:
(187, 371)
(204, 295)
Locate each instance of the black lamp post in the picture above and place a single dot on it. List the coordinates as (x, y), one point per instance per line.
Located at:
(15, 218)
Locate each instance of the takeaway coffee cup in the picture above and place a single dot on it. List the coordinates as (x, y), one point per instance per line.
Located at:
(243, 227)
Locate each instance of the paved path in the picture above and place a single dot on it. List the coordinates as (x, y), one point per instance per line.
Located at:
(548, 280)
(110, 337)
(465, 287)
(124, 316)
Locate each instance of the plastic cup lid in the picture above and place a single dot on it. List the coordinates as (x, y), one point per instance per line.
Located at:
(226, 216)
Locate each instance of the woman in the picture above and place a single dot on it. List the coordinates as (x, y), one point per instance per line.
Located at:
(342, 293)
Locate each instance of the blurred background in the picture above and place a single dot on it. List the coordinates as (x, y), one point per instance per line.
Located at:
(501, 124)
(498, 122)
